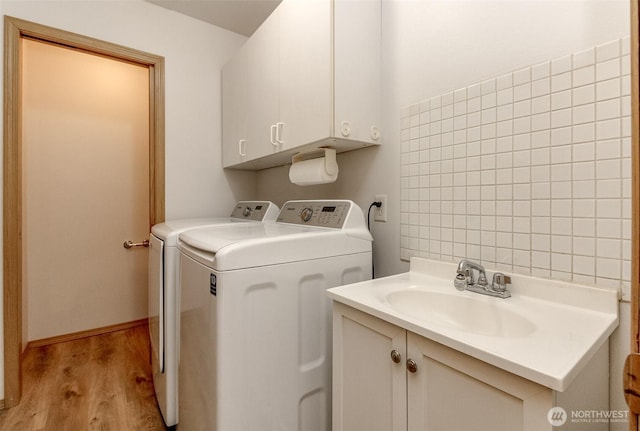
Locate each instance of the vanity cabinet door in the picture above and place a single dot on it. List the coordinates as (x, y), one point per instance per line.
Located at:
(369, 388)
(452, 391)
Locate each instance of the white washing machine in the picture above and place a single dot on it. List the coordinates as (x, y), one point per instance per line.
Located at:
(163, 296)
(255, 347)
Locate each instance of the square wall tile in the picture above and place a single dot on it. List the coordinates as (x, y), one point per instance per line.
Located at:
(528, 172)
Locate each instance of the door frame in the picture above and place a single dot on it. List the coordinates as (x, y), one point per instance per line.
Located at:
(635, 186)
(14, 30)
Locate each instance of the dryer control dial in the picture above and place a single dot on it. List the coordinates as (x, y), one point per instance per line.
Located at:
(246, 212)
(306, 214)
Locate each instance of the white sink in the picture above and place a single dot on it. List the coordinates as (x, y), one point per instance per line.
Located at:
(545, 332)
(460, 312)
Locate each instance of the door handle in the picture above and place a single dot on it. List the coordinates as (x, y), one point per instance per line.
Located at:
(273, 135)
(279, 126)
(130, 244)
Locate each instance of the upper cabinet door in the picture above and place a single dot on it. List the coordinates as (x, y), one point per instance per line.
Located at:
(263, 86)
(357, 74)
(306, 78)
(234, 106)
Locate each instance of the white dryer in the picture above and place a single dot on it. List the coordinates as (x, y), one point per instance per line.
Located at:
(163, 295)
(255, 349)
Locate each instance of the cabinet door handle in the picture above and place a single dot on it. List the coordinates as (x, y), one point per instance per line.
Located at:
(274, 128)
(241, 147)
(412, 366)
(279, 126)
(396, 357)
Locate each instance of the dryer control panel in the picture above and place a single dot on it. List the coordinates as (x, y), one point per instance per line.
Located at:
(331, 214)
(254, 210)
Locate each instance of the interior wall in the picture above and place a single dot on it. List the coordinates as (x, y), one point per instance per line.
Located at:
(194, 53)
(434, 47)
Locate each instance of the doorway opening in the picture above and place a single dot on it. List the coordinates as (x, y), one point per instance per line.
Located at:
(15, 30)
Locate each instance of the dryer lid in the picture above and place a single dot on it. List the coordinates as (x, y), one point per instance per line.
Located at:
(243, 211)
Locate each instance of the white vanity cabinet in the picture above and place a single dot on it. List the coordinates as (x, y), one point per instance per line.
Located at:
(308, 77)
(388, 378)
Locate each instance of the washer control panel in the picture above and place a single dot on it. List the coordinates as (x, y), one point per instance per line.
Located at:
(331, 214)
(251, 210)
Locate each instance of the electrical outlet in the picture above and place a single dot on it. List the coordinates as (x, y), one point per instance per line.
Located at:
(380, 214)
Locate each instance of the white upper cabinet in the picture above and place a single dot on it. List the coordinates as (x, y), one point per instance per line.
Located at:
(311, 74)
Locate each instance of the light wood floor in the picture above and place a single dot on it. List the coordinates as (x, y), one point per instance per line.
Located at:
(96, 383)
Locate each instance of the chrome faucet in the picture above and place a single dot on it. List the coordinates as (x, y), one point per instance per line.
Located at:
(465, 280)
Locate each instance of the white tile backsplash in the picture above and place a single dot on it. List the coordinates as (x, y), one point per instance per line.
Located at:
(527, 172)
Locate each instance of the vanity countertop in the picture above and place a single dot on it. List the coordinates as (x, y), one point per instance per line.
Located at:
(546, 332)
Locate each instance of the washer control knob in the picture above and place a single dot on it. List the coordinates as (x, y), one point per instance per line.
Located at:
(306, 214)
(246, 212)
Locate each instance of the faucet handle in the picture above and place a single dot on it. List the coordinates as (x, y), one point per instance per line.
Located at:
(460, 282)
(500, 282)
(464, 278)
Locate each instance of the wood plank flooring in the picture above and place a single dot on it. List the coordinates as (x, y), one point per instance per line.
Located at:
(96, 383)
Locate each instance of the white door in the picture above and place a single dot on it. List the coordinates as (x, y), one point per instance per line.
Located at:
(86, 189)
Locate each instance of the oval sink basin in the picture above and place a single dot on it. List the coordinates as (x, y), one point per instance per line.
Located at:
(460, 312)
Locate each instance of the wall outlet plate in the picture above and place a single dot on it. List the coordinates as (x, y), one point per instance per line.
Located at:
(380, 214)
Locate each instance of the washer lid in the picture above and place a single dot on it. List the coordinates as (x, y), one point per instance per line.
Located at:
(251, 245)
(213, 239)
